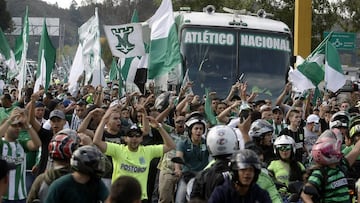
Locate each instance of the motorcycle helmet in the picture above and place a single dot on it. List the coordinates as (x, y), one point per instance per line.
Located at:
(327, 149)
(221, 140)
(339, 119)
(62, 146)
(259, 128)
(284, 140)
(88, 160)
(243, 159)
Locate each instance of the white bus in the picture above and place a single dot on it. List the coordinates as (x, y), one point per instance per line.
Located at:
(218, 48)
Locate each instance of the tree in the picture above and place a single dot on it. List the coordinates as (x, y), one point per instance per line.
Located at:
(5, 18)
(323, 19)
(349, 15)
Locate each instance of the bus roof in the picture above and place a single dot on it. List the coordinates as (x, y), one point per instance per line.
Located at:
(225, 19)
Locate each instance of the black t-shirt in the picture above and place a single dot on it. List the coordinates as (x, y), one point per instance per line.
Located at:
(45, 137)
(119, 139)
(324, 125)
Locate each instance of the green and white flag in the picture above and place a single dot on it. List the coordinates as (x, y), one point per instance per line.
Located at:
(21, 50)
(323, 64)
(164, 51)
(6, 51)
(89, 37)
(125, 41)
(46, 60)
(334, 75)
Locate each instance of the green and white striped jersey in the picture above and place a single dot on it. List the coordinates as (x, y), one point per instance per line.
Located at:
(15, 152)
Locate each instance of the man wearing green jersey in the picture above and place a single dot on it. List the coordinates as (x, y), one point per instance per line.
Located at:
(13, 150)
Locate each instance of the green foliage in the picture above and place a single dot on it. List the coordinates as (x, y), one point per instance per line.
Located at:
(349, 15)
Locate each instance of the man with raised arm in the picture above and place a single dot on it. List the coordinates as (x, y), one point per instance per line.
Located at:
(132, 159)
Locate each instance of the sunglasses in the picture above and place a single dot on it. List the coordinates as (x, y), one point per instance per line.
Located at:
(284, 148)
(179, 121)
(135, 135)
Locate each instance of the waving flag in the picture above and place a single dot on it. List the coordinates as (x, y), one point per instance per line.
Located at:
(89, 37)
(323, 64)
(164, 51)
(334, 76)
(77, 69)
(125, 41)
(46, 60)
(21, 53)
(7, 52)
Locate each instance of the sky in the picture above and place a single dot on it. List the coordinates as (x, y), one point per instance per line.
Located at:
(61, 3)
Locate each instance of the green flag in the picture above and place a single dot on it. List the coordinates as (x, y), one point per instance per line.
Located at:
(46, 60)
(323, 64)
(114, 71)
(208, 110)
(115, 74)
(6, 51)
(164, 52)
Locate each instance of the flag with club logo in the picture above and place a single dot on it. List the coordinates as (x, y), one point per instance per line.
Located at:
(46, 60)
(164, 51)
(7, 53)
(129, 65)
(21, 53)
(125, 41)
(89, 37)
(323, 64)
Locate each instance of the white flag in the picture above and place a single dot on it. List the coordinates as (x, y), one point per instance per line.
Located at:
(76, 70)
(125, 41)
(22, 63)
(89, 37)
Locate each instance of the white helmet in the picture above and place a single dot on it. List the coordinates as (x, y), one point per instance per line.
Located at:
(284, 140)
(195, 118)
(222, 140)
(339, 119)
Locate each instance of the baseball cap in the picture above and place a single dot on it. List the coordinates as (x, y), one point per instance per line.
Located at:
(39, 104)
(57, 113)
(312, 119)
(5, 167)
(134, 130)
(277, 108)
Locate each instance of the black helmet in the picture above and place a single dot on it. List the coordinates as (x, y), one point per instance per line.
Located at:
(243, 159)
(88, 160)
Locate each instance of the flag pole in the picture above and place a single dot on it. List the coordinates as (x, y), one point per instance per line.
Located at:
(320, 45)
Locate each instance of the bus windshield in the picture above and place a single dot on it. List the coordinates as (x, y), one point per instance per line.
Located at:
(217, 57)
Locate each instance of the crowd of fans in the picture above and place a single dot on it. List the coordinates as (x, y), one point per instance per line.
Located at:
(97, 146)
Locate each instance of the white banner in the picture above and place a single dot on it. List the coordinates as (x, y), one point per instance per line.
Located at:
(125, 41)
